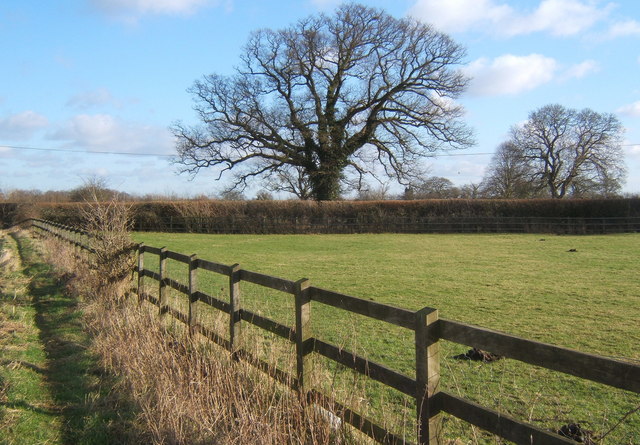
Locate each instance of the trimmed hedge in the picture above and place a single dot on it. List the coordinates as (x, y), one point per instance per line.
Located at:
(7, 214)
(437, 215)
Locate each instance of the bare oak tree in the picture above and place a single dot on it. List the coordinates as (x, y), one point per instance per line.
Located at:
(572, 152)
(432, 187)
(511, 175)
(330, 96)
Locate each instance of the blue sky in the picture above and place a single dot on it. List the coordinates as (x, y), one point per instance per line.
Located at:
(92, 76)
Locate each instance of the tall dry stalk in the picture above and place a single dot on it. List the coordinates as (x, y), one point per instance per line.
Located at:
(192, 392)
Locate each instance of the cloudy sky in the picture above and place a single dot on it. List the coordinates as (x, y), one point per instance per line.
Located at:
(89, 87)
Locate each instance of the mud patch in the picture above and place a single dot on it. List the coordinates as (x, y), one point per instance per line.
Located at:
(478, 355)
(575, 432)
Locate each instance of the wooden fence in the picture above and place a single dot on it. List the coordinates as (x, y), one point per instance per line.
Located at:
(428, 329)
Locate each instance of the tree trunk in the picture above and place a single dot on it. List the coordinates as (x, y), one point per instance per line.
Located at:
(326, 185)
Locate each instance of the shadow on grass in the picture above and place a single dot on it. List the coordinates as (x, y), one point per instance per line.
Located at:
(81, 392)
(22, 364)
(24, 406)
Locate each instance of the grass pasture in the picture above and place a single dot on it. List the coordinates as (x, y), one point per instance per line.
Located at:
(578, 292)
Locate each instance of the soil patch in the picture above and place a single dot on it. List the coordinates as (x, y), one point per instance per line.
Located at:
(478, 355)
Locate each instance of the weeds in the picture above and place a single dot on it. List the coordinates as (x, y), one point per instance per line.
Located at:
(184, 389)
(51, 390)
(190, 391)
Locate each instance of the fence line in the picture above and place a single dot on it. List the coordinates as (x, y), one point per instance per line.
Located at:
(425, 323)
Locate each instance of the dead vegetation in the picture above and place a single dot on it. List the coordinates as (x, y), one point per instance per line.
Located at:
(111, 262)
(190, 391)
(184, 389)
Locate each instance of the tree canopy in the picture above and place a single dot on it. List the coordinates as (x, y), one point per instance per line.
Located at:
(350, 94)
(562, 151)
(509, 175)
(572, 150)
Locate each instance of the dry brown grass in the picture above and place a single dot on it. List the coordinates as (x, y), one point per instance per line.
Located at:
(184, 389)
(190, 391)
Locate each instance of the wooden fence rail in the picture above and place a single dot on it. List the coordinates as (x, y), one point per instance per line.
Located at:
(428, 329)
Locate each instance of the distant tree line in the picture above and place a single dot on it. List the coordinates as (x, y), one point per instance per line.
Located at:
(557, 153)
(92, 188)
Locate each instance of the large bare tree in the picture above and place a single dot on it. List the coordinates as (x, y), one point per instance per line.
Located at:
(572, 152)
(332, 96)
(511, 175)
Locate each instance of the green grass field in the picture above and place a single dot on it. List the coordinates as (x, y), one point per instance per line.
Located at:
(579, 292)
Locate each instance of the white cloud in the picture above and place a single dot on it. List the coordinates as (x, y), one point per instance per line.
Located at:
(22, 126)
(325, 4)
(561, 17)
(632, 154)
(93, 98)
(581, 70)
(558, 17)
(633, 150)
(130, 10)
(460, 171)
(447, 103)
(624, 29)
(632, 110)
(510, 74)
(460, 15)
(103, 132)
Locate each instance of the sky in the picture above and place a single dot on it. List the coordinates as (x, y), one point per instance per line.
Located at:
(89, 88)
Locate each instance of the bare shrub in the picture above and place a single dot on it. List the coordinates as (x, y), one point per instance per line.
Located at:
(105, 270)
(25, 211)
(111, 262)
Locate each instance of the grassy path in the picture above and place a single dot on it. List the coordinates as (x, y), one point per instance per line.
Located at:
(51, 389)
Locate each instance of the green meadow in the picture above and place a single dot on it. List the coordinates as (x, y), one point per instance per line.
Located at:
(580, 292)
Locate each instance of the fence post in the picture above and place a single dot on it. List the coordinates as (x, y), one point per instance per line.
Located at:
(429, 419)
(162, 290)
(140, 272)
(193, 289)
(75, 243)
(302, 333)
(234, 310)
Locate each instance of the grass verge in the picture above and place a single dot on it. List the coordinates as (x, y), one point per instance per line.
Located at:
(186, 391)
(51, 388)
